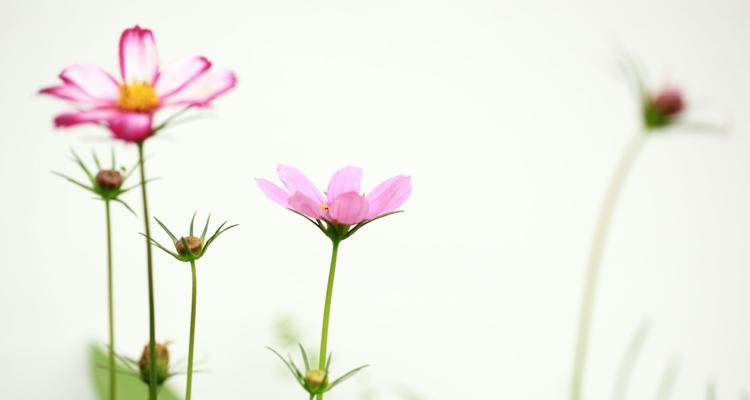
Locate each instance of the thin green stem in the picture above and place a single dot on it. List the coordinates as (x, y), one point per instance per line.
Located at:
(594, 261)
(327, 312)
(152, 385)
(110, 308)
(192, 334)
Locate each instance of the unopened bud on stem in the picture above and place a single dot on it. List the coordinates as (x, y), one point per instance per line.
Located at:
(316, 378)
(162, 363)
(109, 179)
(193, 243)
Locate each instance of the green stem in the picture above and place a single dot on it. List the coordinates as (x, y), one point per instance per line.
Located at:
(192, 334)
(327, 312)
(110, 308)
(152, 385)
(594, 261)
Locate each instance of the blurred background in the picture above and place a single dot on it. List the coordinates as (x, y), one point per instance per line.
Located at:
(508, 115)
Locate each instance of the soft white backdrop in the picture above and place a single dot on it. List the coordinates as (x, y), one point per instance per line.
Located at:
(509, 115)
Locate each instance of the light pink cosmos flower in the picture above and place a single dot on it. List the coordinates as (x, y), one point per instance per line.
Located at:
(342, 204)
(127, 106)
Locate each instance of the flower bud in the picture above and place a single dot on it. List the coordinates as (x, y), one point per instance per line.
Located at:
(194, 244)
(660, 109)
(162, 363)
(669, 101)
(316, 379)
(109, 179)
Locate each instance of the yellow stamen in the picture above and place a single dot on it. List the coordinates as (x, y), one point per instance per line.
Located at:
(326, 207)
(137, 96)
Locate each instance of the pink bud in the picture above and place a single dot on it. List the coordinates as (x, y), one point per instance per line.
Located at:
(668, 102)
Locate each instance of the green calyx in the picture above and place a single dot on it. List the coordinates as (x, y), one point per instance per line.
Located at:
(339, 232)
(654, 118)
(314, 381)
(107, 183)
(162, 364)
(190, 248)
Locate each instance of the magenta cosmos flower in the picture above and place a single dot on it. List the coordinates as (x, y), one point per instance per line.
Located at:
(342, 205)
(127, 106)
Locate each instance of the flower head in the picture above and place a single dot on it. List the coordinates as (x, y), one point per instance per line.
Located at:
(162, 363)
(343, 209)
(106, 183)
(662, 107)
(314, 381)
(190, 248)
(127, 105)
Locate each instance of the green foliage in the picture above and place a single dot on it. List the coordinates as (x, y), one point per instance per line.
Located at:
(129, 384)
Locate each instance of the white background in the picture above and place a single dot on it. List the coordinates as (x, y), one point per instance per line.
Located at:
(509, 115)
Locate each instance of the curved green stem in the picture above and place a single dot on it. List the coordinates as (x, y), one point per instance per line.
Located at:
(152, 386)
(327, 311)
(192, 334)
(110, 308)
(595, 257)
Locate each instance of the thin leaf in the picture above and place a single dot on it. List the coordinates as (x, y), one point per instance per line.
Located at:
(83, 166)
(304, 357)
(75, 182)
(205, 228)
(164, 227)
(668, 380)
(132, 169)
(129, 188)
(157, 244)
(126, 206)
(346, 376)
(361, 224)
(192, 222)
(292, 369)
(96, 161)
(629, 359)
(312, 221)
(219, 231)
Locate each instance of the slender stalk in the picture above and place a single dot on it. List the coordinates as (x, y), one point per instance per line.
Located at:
(152, 386)
(327, 311)
(594, 261)
(110, 308)
(192, 334)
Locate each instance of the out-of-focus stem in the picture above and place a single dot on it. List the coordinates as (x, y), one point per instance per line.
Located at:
(152, 386)
(327, 312)
(110, 308)
(594, 261)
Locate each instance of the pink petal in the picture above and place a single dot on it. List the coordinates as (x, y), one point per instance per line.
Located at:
(93, 81)
(130, 126)
(296, 181)
(349, 208)
(274, 192)
(389, 195)
(178, 75)
(201, 91)
(84, 117)
(138, 59)
(344, 180)
(70, 92)
(306, 205)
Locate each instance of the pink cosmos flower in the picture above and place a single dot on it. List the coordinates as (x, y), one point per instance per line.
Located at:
(342, 204)
(127, 106)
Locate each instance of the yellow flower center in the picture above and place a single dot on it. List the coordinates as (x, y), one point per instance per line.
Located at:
(326, 207)
(137, 96)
